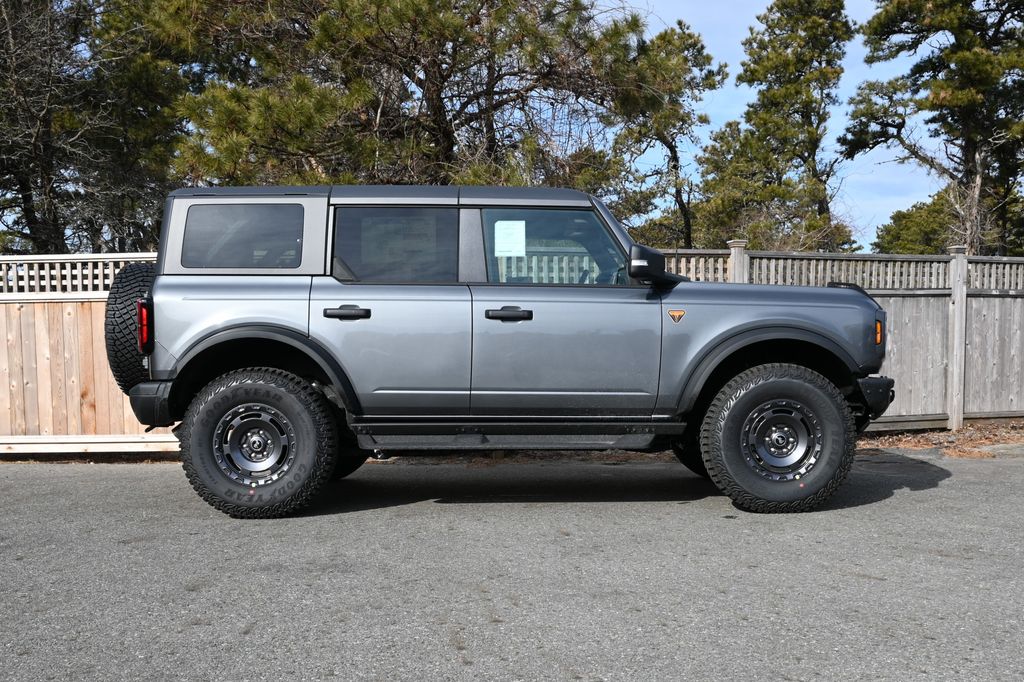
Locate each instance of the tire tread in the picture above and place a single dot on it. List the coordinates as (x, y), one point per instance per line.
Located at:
(713, 426)
(326, 446)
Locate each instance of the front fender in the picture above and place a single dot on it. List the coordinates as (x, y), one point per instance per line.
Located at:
(696, 375)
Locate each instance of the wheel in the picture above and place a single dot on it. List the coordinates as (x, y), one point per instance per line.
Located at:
(131, 283)
(687, 451)
(258, 443)
(778, 438)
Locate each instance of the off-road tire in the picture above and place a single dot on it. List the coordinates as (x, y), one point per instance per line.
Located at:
(132, 282)
(735, 470)
(314, 435)
(687, 451)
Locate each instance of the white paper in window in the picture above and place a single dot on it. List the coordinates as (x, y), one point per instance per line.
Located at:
(510, 238)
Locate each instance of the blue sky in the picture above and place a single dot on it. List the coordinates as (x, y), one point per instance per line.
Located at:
(873, 185)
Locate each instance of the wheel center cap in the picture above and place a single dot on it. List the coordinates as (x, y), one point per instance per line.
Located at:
(257, 444)
(779, 439)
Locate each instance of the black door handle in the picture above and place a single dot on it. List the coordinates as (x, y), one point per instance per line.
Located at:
(347, 312)
(509, 313)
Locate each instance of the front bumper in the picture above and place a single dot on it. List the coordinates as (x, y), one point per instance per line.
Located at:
(878, 394)
(150, 402)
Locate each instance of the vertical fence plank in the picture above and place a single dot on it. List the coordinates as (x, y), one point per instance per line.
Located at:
(54, 316)
(6, 389)
(87, 383)
(17, 370)
(43, 375)
(30, 375)
(100, 371)
(957, 337)
(72, 380)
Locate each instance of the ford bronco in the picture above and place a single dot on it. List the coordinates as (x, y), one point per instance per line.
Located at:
(290, 332)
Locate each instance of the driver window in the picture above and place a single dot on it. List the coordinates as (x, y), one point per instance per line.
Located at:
(551, 246)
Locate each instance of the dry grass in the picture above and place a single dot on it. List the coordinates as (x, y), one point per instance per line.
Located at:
(964, 443)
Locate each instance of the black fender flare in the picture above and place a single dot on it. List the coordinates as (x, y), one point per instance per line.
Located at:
(718, 353)
(316, 352)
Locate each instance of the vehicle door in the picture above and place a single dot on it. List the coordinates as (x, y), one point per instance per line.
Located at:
(559, 329)
(393, 311)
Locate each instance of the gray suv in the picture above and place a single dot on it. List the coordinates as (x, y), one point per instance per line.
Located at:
(293, 331)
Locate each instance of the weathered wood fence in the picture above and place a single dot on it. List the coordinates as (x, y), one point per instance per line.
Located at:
(955, 323)
(956, 336)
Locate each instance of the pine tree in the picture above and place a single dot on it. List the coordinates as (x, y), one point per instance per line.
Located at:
(772, 178)
(964, 91)
(923, 228)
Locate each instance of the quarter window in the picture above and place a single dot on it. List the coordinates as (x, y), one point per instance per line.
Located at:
(242, 236)
(541, 246)
(396, 244)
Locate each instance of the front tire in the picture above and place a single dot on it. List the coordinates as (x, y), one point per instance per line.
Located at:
(778, 438)
(259, 443)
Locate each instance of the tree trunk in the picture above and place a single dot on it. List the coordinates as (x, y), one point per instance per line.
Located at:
(682, 204)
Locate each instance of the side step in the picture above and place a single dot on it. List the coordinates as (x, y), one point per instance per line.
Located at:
(511, 435)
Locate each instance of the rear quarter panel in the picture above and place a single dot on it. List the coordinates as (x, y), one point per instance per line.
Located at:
(188, 308)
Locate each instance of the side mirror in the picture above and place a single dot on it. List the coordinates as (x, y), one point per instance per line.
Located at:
(648, 266)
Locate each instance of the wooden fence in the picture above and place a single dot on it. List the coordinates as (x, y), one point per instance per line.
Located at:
(61, 394)
(955, 329)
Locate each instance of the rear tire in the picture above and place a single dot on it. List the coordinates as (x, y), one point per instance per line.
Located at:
(778, 438)
(259, 443)
(120, 328)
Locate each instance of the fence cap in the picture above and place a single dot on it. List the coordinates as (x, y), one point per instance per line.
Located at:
(737, 243)
(957, 250)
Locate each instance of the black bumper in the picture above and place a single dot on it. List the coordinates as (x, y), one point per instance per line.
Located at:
(878, 394)
(150, 403)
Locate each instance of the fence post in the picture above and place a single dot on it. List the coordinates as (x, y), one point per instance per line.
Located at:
(739, 261)
(956, 369)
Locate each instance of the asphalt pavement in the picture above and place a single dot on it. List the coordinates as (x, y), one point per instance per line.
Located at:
(492, 571)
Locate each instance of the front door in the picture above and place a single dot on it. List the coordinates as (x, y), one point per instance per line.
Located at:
(559, 329)
(393, 312)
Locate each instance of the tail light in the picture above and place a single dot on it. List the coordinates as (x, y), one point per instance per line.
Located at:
(144, 316)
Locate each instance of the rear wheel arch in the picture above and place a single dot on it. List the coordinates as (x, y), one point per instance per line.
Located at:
(256, 346)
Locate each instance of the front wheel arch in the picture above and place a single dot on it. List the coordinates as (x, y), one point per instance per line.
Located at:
(757, 347)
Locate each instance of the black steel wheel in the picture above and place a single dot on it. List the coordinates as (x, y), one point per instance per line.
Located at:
(259, 443)
(782, 439)
(778, 438)
(254, 444)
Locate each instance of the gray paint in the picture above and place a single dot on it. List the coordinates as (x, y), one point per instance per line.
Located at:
(190, 308)
(715, 313)
(588, 351)
(428, 350)
(411, 356)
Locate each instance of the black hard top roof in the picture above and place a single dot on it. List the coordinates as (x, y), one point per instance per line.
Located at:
(410, 194)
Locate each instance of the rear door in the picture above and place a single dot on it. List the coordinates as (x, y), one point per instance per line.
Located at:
(393, 311)
(559, 328)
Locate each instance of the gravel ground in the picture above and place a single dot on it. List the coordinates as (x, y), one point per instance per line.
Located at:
(544, 569)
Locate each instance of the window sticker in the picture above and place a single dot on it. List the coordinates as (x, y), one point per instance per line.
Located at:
(510, 238)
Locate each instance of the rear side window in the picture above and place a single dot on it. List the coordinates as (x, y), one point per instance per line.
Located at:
(400, 245)
(243, 236)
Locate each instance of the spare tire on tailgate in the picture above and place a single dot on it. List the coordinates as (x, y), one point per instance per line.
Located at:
(132, 282)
